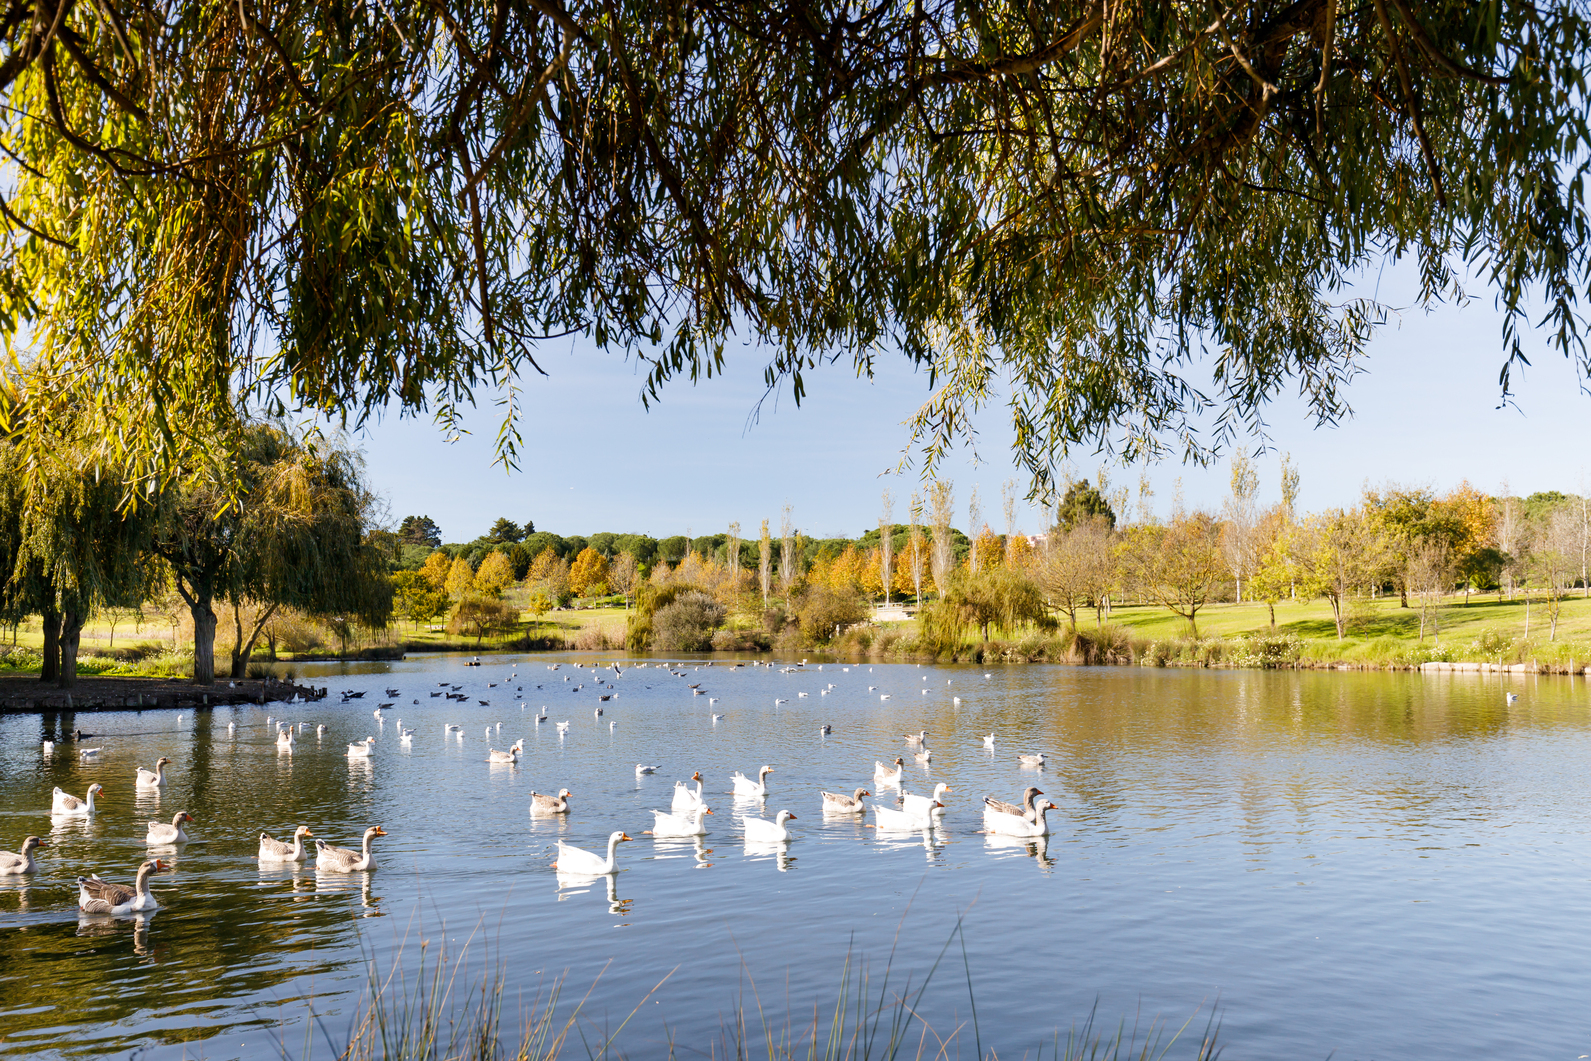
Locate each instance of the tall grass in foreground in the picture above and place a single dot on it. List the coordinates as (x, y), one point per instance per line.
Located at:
(433, 1016)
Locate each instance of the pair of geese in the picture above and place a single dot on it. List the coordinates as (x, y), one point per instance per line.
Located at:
(327, 856)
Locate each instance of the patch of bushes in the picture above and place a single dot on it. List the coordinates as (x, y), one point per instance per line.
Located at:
(824, 612)
(686, 624)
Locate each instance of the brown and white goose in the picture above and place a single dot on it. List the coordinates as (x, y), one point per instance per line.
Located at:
(1025, 811)
(273, 850)
(544, 804)
(510, 756)
(95, 896)
(12, 863)
(839, 802)
(342, 860)
(155, 778)
(886, 777)
(1017, 825)
(161, 833)
(62, 803)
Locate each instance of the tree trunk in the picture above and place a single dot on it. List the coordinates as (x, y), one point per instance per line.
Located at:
(243, 649)
(50, 670)
(1272, 606)
(203, 640)
(71, 637)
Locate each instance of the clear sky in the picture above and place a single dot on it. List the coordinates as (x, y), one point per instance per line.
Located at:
(1425, 413)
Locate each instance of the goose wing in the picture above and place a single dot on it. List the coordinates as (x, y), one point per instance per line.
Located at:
(269, 845)
(1002, 807)
(99, 897)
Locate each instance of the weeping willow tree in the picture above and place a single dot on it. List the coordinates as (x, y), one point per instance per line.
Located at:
(69, 546)
(289, 527)
(1141, 214)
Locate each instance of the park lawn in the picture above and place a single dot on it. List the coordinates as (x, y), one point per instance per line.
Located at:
(566, 625)
(1384, 629)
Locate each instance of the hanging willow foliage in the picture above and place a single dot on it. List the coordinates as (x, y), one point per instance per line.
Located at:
(344, 206)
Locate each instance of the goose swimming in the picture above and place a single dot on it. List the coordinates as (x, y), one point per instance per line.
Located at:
(841, 803)
(62, 803)
(161, 833)
(342, 860)
(745, 786)
(544, 804)
(155, 778)
(15, 863)
(577, 861)
(95, 896)
(273, 850)
(761, 830)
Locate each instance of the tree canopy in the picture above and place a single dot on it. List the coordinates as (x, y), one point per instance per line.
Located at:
(337, 208)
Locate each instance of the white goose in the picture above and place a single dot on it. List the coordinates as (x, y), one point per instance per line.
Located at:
(921, 805)
(997, 821)
(642, 768)
(684, 799)
(62, 803)
(988, 742)
(577, 861)
(342, 860)
(155, 778)
(510, 756)
(95, 896)
(285, 738)
(902, 821)
(761, 830)
(13, 863)
(745, 786)
(840, 803)
(161, 833)
(688, 824)
(360, 749)
(273, 850)
(884, 776)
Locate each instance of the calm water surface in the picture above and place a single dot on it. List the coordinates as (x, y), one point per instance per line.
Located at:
(1360, 865)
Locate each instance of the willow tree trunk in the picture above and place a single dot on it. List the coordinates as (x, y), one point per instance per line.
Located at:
(71, 637)
(203, 640)
(50, 670)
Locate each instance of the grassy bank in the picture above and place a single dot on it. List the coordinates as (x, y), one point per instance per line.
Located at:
(1380, 634)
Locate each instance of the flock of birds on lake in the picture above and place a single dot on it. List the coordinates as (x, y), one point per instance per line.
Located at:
(685, 818)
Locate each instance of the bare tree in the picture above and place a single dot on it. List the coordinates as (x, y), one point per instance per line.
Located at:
(1076, 571)
(1146, 501)
(1508, 535)
(623, 573)
(1008, 505)
(786, 550)
(1429, 574)
(1552, 564)
(732, 555)
(914, 540)
(974, 521)
(1290, 479)
(765, 562)
(941, 505)
(1237, 536)
(886, 543)
(1585, 538)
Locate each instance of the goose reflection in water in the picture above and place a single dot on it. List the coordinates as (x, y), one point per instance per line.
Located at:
(333, 883)
(101, 927)
(760, 850)
(665, 847)
(573, 884)
(1034, 847)
(294, 873)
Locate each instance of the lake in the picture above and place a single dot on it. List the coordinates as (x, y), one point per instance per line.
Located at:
(1356, 864)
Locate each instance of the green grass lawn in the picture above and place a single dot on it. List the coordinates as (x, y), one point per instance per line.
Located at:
(1382, 628)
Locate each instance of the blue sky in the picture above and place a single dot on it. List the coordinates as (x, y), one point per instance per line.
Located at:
(1425, 413)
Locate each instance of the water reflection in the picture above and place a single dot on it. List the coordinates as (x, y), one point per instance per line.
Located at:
(763, 850)
(1033, 847)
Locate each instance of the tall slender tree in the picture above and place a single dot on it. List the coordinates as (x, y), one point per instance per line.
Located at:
(886, 543)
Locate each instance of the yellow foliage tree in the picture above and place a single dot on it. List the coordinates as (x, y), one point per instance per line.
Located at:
(588, 575)
(550, 573)
(991, 549)
(460, 579)
(495, 575)
(1020, 553)
(846, 570)
(435, 570)
(872, 573)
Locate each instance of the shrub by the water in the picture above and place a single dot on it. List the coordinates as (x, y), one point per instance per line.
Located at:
(687, 623)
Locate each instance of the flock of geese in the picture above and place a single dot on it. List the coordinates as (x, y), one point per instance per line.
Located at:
(685, 818)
